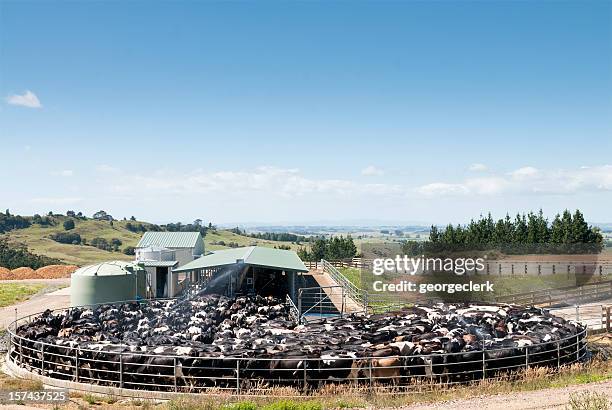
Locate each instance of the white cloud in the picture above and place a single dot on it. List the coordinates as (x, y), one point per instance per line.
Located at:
(27, 99)
(528, 180)
(371, 170)
(107, 169)
(478, 167)
(56, 200)
(268, 181)
(442, 189)
(525, 172)
(64, 173)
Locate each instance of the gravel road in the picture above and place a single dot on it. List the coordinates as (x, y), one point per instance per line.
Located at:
(539, 399)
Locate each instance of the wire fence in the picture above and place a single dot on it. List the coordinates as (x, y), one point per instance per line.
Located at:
(176, 369)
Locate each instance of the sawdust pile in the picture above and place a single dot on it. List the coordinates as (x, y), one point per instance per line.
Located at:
(47, 272)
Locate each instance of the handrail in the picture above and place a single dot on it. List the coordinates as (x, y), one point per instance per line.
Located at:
(359, 296)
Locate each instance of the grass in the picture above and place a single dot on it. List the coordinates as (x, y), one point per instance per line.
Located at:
(11, 293)
(37, 239)
(214, 237)
(588, 401)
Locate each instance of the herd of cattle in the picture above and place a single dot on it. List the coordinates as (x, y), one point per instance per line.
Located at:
(215, 341)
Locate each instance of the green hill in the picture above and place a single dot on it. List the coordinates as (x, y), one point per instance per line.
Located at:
(38, 240)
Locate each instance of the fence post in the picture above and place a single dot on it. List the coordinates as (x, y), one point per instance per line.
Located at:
(175, 379)
(237, 376)
(558, 356)
(526, 357)
(299, 306)
(370, 371)
(483, 363)
(20, 351)
(76, 364)
(42, 359)
(608, 318)
(577, 348)
(577, 313)
(121, 369)
(305, 383)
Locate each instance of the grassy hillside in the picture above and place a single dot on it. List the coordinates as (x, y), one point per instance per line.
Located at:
(37, 239)
(213, 238)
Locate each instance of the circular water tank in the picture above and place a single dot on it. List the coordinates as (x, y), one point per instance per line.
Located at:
(107, 282)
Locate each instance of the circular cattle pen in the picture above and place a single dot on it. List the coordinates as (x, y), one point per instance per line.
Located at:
(247, 345)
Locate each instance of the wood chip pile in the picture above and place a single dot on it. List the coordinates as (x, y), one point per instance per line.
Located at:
(47, 272)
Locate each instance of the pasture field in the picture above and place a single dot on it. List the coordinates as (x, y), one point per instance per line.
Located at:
(37, 239)
(12, 293)
(503, 285)
(212, 239)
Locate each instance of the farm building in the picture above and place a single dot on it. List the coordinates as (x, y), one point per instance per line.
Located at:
(160, 253)
(249, 270)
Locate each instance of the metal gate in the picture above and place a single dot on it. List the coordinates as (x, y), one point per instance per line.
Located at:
(319, 302)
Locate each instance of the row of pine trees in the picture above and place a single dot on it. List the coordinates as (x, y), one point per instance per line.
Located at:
(524, 233)
(334, 248)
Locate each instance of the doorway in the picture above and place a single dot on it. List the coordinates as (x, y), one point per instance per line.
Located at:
(161, 282)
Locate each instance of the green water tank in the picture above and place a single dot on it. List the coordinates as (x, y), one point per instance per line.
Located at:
(107, 282)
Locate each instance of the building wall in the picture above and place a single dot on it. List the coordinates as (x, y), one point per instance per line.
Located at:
(183, 255)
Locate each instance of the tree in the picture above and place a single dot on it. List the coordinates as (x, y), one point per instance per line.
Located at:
(68, 224)
(132, 218)
(129, 250)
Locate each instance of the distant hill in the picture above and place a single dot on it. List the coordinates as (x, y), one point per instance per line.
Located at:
(38, 239)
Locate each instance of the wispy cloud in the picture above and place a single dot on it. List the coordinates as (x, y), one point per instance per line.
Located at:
(528, 180)
(27, 99)
(478, 167)
(56, 200)
(371, 170)
(272, 181)
(107, 169)
(64, 173)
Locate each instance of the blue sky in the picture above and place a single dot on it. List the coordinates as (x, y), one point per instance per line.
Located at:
(306, 111)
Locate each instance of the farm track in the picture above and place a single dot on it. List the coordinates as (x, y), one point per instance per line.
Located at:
(555, 398)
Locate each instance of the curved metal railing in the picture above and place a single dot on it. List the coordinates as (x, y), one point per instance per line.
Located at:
(137, 370)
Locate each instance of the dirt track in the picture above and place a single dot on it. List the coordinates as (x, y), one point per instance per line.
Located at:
(539, 399)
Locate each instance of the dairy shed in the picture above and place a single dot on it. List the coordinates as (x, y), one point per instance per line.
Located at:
(248, 270)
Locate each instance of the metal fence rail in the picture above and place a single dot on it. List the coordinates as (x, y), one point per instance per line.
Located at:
(125, 368)
(565, 295)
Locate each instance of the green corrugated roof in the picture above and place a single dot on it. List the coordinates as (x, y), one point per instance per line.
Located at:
(169, 239)
(251, 255)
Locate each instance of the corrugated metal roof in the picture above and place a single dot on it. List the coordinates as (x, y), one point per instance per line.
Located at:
(161, 264)
(251, 255)
(112, 268)
(169, 239)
